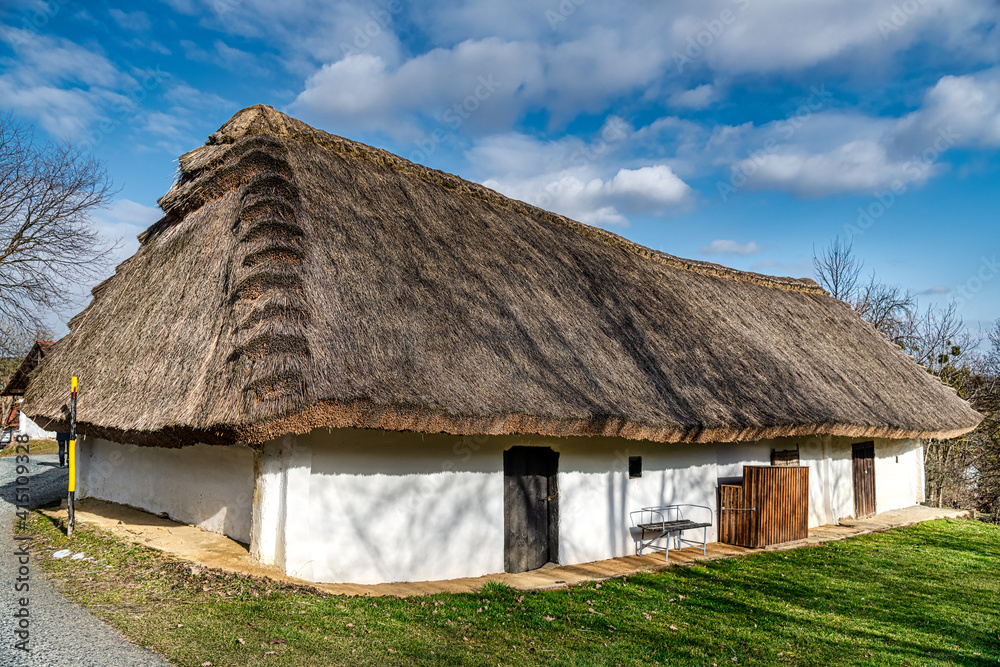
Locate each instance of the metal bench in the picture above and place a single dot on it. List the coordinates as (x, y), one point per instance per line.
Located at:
(670, 521)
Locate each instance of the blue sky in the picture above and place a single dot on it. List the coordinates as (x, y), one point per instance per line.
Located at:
(745, 132)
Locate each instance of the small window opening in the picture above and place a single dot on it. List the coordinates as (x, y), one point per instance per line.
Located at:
(634, 467)
(785, 457)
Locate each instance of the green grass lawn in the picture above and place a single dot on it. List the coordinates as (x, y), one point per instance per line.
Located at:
(36, 447)
(927, 595)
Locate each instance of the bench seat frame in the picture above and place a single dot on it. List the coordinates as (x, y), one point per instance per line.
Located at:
(669, 521)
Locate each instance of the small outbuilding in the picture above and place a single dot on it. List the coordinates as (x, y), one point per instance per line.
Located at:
(12, 418)
(370, 371)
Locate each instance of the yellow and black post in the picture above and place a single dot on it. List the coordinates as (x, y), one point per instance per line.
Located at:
(71, 502)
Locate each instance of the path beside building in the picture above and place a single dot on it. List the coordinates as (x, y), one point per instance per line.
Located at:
(61, 633)
(208, 549)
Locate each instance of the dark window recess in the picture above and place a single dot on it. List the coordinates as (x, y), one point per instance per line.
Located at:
(785, 457)
(634, 467)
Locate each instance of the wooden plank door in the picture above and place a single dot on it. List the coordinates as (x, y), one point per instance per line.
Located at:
(531, 508)
(863, 463)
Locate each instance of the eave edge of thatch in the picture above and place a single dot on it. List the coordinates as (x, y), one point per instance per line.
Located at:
(370, 416)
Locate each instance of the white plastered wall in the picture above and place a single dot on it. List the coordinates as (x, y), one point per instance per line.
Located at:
(831, 491)
(207, 486)
(28, 427)
(899, 474)
(33, 430)
(596, 494)
(376, 506)
(359, 506)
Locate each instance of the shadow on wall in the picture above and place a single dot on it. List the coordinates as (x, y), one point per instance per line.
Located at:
(400, 532)
(392, 503)
(209, 486)
(598, 493)
(393, 506)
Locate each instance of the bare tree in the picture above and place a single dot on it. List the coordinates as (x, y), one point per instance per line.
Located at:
(936, 337)
(885, 306)
(963, 471)
(838, 270)
(993, 357)
(48, 244)
(987, 464)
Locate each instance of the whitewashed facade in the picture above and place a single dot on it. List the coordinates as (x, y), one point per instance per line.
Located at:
(348, 505)
(25, 426)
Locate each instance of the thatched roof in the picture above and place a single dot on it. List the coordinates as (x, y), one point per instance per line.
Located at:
(19, 380)
(300, 280)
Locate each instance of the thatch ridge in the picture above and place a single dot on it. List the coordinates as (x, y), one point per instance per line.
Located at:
(264, 123)
(299, 280)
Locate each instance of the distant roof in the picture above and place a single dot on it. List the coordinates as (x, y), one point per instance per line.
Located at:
(19, 380)
(12, 417)
(301, 280)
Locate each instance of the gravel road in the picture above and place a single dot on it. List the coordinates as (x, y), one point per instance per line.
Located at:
(61, 633)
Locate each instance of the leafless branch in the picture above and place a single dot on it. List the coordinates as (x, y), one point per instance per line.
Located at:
(838, 269)
(48, 243)
(885, 306)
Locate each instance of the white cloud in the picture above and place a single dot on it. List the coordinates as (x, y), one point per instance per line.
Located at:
(59, 84)
(767, 36)
(478, 83)
(966, 107)
(60, 112)
(579, 179)
(830, 151)
(585, 62)
(657, 185)
(937, 289)
(58, 59)
(735, 36)
(567, 79)
(358, 75)
(819, 150)
(566, 194)
(696, 98)
(855, 167)
(123, 220)
(135, 21)
(730, 247)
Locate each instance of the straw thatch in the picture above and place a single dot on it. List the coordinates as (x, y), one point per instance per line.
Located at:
(18, 382)
(300, 280)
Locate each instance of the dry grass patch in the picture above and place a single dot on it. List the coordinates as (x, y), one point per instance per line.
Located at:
(36, 447)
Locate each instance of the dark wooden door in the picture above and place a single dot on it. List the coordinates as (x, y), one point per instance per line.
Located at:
(531, 508)
(863, 456)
